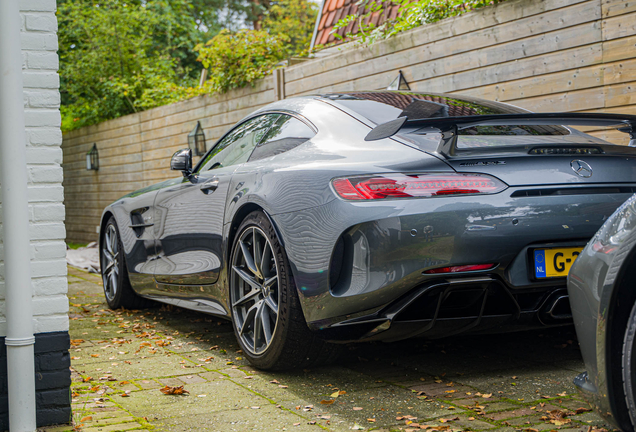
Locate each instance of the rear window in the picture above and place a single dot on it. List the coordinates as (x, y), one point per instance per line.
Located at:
(381, 107)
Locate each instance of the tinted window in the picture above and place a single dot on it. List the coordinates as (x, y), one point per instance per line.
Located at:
(381, 107)
(236, 147)
(286, 134)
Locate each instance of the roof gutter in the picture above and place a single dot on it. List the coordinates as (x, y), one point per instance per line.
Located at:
(318, 18)
(19, 339)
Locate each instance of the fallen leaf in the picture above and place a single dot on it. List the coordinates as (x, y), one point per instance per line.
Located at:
(173, 390)
(94, 355)
(87, 418)
(371, 420)
(357, 408)
(326, 402)
(487, 395)
(583, 410)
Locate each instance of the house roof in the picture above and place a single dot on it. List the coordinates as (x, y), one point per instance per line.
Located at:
(335, 10)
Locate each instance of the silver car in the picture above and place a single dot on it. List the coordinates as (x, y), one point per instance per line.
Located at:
(370, 216)
(603, 296)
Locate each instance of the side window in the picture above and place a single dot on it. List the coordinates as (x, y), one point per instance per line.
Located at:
(237, 146)
(286, 134)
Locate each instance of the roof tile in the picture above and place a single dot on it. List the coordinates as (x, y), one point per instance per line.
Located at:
(330, 18)
(335, 10)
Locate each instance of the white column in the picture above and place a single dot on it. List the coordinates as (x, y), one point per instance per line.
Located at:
(15, 224)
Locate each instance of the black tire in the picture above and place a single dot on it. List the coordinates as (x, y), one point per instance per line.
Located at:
(292, 344)
(629, 366)
(123, 294)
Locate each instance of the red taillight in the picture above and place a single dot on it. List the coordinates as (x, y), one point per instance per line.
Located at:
(415, 185)
(462, 268)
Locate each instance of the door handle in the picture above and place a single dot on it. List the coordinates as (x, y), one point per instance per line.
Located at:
(210, 186)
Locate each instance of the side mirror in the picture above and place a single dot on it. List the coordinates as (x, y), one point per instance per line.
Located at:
(182, 161)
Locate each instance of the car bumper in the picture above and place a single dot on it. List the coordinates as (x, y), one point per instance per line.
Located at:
(386, 246)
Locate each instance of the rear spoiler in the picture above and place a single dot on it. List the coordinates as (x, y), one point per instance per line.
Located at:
(448, 126)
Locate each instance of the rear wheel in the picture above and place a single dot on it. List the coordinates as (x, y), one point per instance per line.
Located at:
(266, 313)
(629, 366)
(117, 288)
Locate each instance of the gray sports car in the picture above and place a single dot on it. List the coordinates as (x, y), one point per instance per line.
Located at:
(603, 298)
(370, 216)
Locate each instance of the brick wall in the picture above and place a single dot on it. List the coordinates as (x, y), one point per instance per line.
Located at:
(46, 214)
(44, 158)
(549, 55)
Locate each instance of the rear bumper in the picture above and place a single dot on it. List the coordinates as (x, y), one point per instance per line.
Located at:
(447, 307)
(353, 259)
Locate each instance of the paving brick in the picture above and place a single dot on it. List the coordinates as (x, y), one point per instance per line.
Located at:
(211, 376)
(148, 384)
(191, 379)
(172, 382)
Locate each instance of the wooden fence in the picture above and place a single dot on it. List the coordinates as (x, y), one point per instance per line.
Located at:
(550, 55)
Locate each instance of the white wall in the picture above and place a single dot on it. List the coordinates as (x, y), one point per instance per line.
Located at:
(44, 156)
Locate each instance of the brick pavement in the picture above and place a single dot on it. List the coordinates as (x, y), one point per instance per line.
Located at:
(121, 360)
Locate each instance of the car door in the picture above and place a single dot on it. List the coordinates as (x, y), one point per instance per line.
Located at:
(189, 216)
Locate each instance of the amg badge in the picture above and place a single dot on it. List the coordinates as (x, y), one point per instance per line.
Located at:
(482, 163)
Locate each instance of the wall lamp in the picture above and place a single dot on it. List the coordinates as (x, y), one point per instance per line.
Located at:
(196, 140)
(92, 158)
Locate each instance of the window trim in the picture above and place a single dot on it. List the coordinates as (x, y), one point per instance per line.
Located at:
(250, 117)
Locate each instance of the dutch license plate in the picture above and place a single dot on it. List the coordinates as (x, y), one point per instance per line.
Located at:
(556, 262)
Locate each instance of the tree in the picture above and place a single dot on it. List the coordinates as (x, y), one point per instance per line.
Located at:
(236, 59)
(117, 57)
(121, 56)
(295, 19)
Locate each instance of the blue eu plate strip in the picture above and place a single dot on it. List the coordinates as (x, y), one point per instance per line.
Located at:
(539, 264)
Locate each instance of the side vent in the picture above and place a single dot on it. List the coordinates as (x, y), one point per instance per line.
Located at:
(137, 222)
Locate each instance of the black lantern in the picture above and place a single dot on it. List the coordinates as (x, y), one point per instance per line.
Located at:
(399, 83)
(92, 159)
(196, 140)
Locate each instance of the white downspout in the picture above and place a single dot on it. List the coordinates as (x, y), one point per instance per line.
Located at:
(15, 225)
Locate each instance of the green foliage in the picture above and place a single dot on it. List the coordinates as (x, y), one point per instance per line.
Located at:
(122, 56)
(236, 59)
(422, 12)
(115, 55)
(411, 14)
(293, 19)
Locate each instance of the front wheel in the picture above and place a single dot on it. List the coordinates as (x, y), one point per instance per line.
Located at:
(117, 288)
(266, 313)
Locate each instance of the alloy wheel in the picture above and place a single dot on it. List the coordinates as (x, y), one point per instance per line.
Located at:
(110, 262)
(254, 290)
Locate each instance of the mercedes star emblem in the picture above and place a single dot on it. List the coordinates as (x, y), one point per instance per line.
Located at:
(582, 169)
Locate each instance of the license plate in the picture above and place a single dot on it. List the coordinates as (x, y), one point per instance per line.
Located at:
(556, 262)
